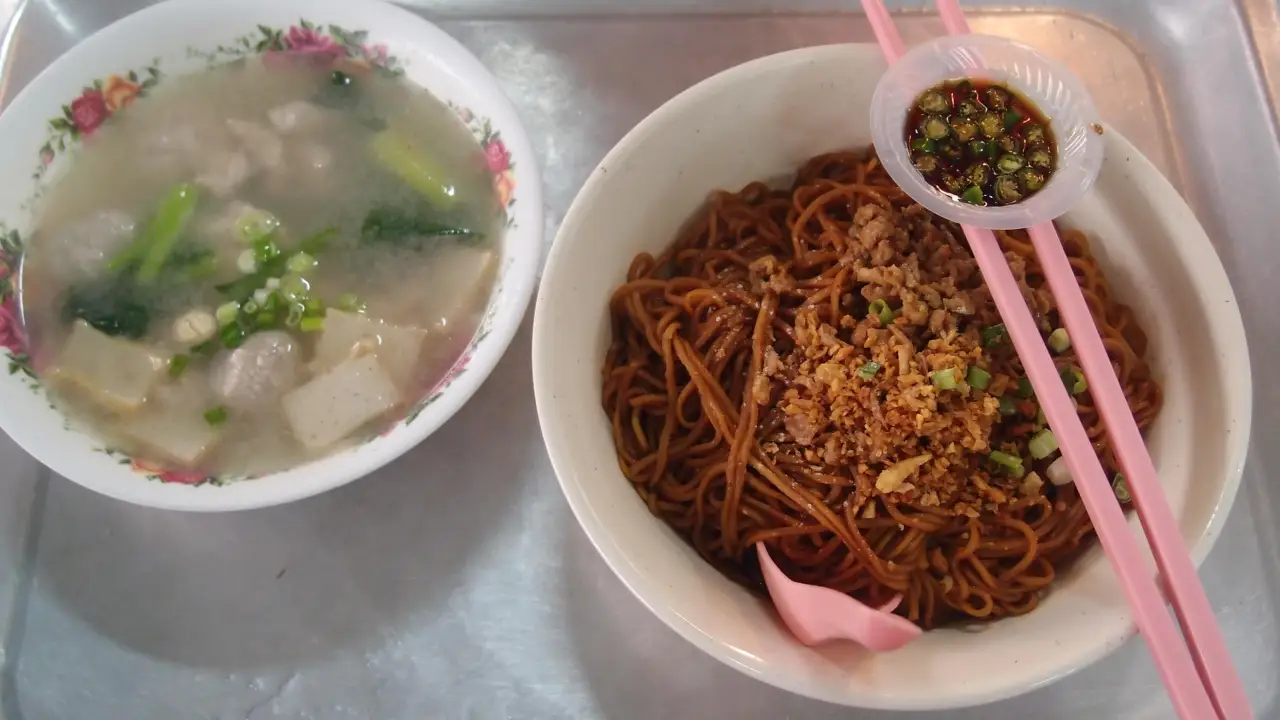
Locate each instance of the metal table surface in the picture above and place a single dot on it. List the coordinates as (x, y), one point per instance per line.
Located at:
(455, 582)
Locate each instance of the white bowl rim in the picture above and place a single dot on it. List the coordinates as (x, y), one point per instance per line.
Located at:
(561, 452)
(522, 245)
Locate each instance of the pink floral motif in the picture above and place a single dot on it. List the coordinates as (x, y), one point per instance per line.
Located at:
(497, 156)
(310, 40)
(46, 156)
(465, 115)
(12, 337)
(88, 111)
(375, 54)
(182, 477)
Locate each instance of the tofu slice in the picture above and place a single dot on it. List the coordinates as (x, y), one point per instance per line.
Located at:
(179, 436)
(115, 373)
(455, 281)
(337, 403)
(347, 335)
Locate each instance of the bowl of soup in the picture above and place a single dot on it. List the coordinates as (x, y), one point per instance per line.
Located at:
(251, 252)
(748, 334)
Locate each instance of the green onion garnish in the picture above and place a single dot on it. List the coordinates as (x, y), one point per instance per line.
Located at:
(944, 379)
(294, 287)
(1012, 464)
(1042, 444)
(868, 371)
(227, 313)
(1074, 380)
(311, 324)
(1059, 341)
(1120, 487)
(1008, 406)
(977, 377)
(232, 336)
(993, 335)
(294, 318)
(350, 303)
(881, 310)
(215, 416)
(314, 308)
(1024, 388)
(301, 262)
(177, 364)
(265, 250)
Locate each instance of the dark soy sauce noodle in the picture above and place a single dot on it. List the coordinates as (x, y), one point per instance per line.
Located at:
(980, 142)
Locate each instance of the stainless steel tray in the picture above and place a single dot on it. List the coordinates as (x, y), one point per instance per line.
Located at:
(455, 583)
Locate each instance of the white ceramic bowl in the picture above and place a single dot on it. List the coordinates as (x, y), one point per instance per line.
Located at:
(41, 128)
(761, 120)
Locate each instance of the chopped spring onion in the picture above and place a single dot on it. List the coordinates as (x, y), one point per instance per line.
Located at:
(314, 308)
(1008, 406)
(1043, 444)
(311, 324)
(272, 283)
(294, 318)
(247, 263)
(177, 364)
(868, 371)
(1024, 388)
(215, 416)
(973, 195)
(301, 262)
(1074, 380)
(293, 287)
(227, 313)
(1012, 464)
(1058, 472)
(1059, 340)
(260, 296)
(232, 336)
(977, 377)
(1120, 487)
(350, 302)
(944, 379)
(881, 309)
(265, 250)
(254, 224)
(993, 335)
(250, 307)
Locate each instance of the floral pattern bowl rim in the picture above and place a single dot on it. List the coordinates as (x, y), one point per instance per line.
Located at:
(51, 114)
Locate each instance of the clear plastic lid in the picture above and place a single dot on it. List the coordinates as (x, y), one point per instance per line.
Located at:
(1046, 83)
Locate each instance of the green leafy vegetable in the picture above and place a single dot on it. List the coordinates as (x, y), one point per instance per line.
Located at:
(111, 305)
(416, 168)
(407, 228)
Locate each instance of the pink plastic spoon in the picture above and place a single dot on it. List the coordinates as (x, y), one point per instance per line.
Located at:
(816, 614)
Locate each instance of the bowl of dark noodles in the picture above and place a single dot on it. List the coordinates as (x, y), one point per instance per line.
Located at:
(748, 333)
(252, 252)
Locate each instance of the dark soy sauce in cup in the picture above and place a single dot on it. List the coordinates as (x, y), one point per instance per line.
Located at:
(980, 142)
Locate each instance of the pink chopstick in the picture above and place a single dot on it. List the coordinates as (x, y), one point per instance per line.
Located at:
(1199, 676)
